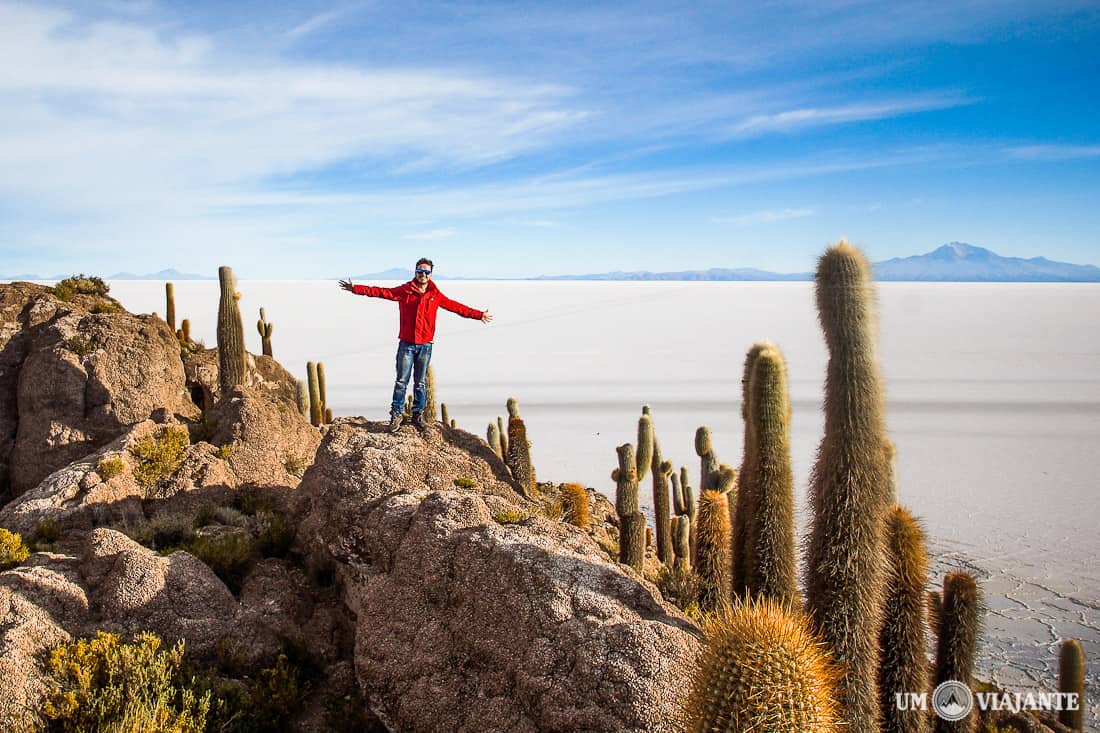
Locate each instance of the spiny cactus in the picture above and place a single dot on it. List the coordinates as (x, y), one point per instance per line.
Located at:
(662, 470)
(492, 437)
(574, 499)
(745, 501)
(170, 306)
(903, 666)
(184, 332)
(232, 364)
(431, 405)
(315, 414)
(770, 566)
(503, 438)
(518, 457)
(691, 505)
(1071, 679)
(265, 328)
(958, 641)
(708, 469)
(443, 416)
(681, 541)
(763, 669)
(631, 521)
(644, 450)
(848, 489)
(935, 612)
(890, 452)
(302, 395)
(712, 550)
(323, 407)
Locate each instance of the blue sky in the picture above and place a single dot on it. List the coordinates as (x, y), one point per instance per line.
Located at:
(312, 139)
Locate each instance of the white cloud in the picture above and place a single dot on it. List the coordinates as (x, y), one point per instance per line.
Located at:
(319, 21)
(802, 118)
(433, 234)
(764, 216)
(1054, 152)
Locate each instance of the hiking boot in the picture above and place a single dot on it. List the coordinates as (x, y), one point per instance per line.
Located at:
(419, 422)
(395, 422)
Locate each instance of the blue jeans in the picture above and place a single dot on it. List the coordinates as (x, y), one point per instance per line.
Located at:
(412, 359)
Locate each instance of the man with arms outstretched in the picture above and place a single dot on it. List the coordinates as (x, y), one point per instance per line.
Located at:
(418, 300)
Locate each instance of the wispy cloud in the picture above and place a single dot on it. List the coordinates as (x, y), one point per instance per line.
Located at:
(764, 216)
(433, 234)
(802, 118)
(320, 21)
(1050, 152)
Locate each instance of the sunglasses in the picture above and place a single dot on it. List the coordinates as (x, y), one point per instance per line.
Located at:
(423, 272)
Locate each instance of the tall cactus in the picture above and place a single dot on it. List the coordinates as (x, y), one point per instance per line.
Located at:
(321, 392)
(904, 664)
(708, 469)
(848, 490)
(745, 501)
(662, 470)
(644, 457)
(170, 305)
(712, 551)
(302, 395)
(681, 541)
(763, 669)
(958, 641)
(770, 565)
(315, 410)
(631, 520)
(518, 457)
(1071, 680)
(265, 328)
(232, 364)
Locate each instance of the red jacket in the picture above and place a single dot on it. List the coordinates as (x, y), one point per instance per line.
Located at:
(417, 309)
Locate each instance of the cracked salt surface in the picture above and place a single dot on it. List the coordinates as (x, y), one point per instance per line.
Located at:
(993, 394)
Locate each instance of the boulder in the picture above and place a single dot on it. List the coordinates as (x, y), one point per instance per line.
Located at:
(267, 376)
(26, 632)
(80, 380)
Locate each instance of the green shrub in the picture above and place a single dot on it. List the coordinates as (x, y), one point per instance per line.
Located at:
(106, 306)
(70, 286)
(250, 501)
(224, 451)
(679, 587)
(108, 468)
(296, 465)
(47, 531)
(158, 457)
(13, 550)
(79, 345)
(511, 515)
(213, 514)
(465, 483)
(103, 684)
(274, 533)
(228, 556)
(268, 704)
(164, 532)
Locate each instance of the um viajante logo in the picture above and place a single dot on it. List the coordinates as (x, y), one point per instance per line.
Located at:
(953, 700)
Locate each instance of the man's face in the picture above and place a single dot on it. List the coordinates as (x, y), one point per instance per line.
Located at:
(423, 274)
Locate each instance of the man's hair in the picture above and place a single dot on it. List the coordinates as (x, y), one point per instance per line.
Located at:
(425, 261)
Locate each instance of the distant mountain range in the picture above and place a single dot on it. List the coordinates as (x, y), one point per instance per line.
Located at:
(953, 262)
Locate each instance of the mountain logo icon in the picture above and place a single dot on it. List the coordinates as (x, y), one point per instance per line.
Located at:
(952, 700)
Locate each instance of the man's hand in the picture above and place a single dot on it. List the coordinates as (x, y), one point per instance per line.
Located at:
(486, 316)
(346, 285)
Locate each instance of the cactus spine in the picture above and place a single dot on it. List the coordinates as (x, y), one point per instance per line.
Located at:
(904, 665)
(492, 437)
(631, 521)
(302, 394)
(712, 551)
(315, 413)
(518, 457)
(770, 566)
(232, 364)
(265, 328)
(1071, 679)
(762, 669)
(170, 306)
(958, 640)
(848, 493)
(745, 501)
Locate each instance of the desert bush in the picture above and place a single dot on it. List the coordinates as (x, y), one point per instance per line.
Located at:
(79, 345)
(13, 550)
(250, 501)
(224, 451)
(104, 684)
(213, 514)
(108, 468)
(679, 587)
(274, 533)
(106, 306)
(164, 532)
(158, 457)
(70, 286)
(465, 483)
(228, 556)
(511, 515)
(296, 465)
(267, 704)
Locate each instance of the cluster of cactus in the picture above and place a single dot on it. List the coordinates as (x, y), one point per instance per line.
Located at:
(312, 398)
(265, 327)
(183, 333)
(683, 524)
(634, 464)
(513, 448)
(232, 359)
(662, 520)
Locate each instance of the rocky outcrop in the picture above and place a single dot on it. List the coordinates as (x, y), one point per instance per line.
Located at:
(464, 623)
(26, 631)
(268, 378)
(80, 380)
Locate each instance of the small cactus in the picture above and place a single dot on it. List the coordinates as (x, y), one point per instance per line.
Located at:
(185, 330)
(644, 451)
(958, 641)
(232, 359)
(492, 437)
(503, 438)
(574, 499)
(321, 389)
(315, 413)
(431, 405)
(681, 542)
(904, 665)
(443, 416)
(712, 550)
(265, 328)
(1071, 680)
(328, 415)
(763, 669)
(513, 407)
(708, 470)
(170, 306)
(519, 451)
(302, 395)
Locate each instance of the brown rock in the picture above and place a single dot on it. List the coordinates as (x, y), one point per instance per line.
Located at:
(268, 377)
(26, 631)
